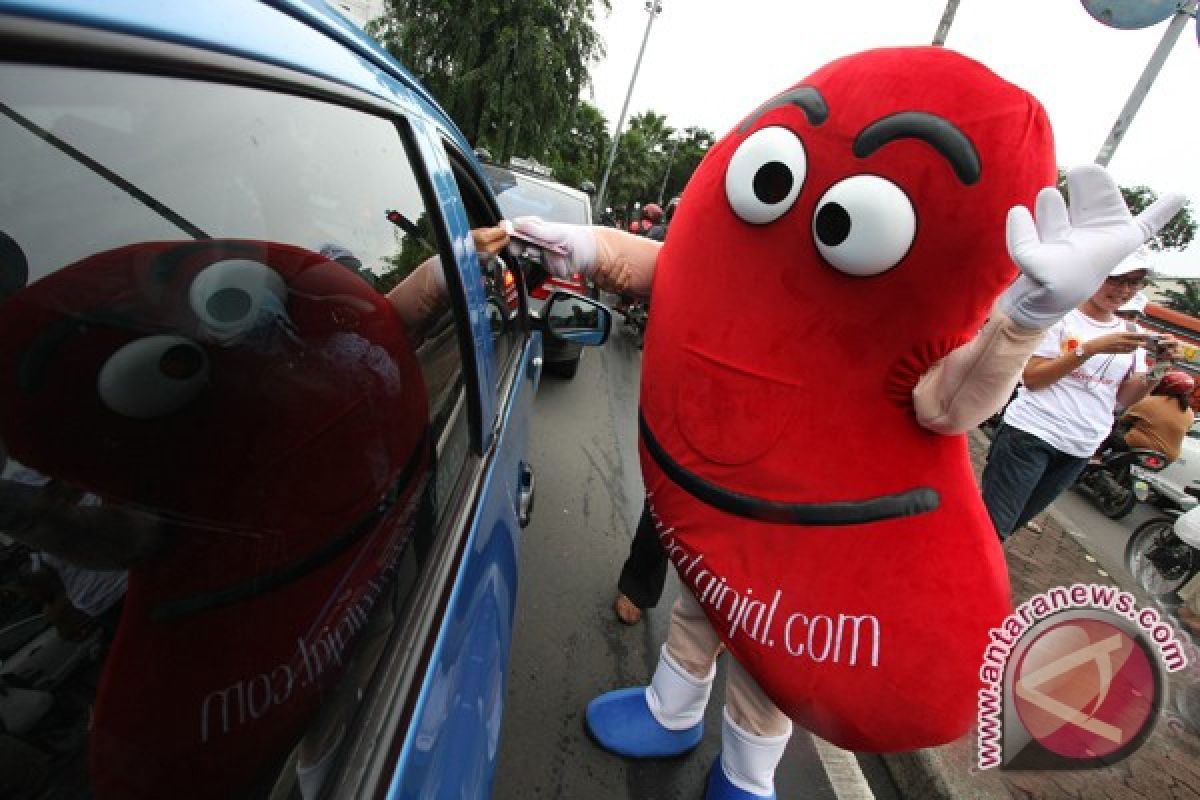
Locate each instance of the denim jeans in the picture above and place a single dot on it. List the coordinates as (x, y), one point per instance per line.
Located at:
(1023, 475)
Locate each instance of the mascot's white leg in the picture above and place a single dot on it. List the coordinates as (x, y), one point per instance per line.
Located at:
(665, 718)
(676, 699)
(754, 734)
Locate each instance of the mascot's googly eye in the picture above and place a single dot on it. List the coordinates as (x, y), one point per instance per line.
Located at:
(230, 296)
(765, 175)
(153, 376)
(864, 225)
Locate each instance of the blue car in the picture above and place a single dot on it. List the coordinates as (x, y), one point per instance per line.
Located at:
(264, 412)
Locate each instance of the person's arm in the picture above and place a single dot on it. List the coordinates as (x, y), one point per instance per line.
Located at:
(615, 261)
(1042, 372)
(422, 297)
(969, 384)
(625, 263)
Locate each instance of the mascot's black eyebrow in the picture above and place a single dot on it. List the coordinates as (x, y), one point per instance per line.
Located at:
(937, 131)
(806, 97)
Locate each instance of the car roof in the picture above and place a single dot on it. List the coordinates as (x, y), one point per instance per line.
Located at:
(303, 35)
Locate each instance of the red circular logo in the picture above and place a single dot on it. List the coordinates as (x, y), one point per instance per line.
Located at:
(1085, 689)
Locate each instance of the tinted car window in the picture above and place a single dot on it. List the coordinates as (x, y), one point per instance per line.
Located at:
(215, 416)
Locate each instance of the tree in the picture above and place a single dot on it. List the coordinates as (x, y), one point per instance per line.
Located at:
(688, 150)
(578, 153)
(508, 72)
(1175, 235)
(641, 160)
(1187, 300)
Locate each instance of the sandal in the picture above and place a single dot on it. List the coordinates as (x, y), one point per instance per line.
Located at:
(627, 611)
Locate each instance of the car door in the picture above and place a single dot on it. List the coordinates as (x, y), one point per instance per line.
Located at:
(452, 736)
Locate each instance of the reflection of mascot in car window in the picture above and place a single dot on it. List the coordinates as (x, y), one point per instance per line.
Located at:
(815, 354)
(263, 407)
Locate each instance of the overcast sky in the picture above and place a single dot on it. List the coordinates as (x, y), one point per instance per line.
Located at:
(709, 62)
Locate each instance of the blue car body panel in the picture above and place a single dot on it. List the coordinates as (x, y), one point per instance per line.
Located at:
(452, 741)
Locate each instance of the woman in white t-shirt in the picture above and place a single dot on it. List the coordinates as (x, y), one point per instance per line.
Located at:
(1089, 364)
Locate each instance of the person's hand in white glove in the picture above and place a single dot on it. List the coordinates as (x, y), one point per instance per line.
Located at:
(1065, 254)
(613, 260)
(577, 244)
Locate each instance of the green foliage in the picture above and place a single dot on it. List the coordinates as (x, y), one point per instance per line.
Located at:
(414, 248)
(579, 150)
(1175, 235)
(508, 72)
(654, 161)
(1187, 300)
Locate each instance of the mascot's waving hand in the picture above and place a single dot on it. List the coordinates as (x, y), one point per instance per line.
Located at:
(826, 326)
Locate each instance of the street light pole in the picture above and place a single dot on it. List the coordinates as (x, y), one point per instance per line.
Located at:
(670, 160)
(655, 8)
(1187, 9)
(943, 30)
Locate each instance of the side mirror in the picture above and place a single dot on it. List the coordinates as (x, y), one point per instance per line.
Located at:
(574, 318)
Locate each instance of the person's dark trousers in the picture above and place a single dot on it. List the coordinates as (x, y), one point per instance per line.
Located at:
(645, 570)
(1023, 475)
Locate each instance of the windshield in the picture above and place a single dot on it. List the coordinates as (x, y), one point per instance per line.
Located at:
(521, 196)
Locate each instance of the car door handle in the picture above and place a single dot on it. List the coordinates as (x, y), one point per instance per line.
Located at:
(525, 487)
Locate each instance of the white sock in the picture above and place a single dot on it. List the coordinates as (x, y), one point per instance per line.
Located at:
(677, 699)
(749, 761)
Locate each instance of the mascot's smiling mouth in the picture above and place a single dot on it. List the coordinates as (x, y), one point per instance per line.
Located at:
(844, 512)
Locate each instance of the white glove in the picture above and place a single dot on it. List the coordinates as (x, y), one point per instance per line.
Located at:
(577, 241)
(1065, 256)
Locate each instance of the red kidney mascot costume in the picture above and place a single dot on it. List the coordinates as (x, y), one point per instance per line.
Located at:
(818, 346)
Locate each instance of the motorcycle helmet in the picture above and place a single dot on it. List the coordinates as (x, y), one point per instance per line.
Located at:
(1176, 383)
(653, 212)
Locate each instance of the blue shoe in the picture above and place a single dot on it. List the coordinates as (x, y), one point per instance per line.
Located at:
(621, 723)
(720, 787)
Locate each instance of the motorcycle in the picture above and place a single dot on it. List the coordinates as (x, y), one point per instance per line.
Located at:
(1163, 554)
(1111, 481)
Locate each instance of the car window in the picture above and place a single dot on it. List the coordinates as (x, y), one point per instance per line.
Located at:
(501, 282)
(522, 196)
(233, 416)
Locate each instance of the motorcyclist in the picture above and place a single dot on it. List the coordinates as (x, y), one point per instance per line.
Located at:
(1160, 421)
(659, 232)
(1157, 422)
(653, 214)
